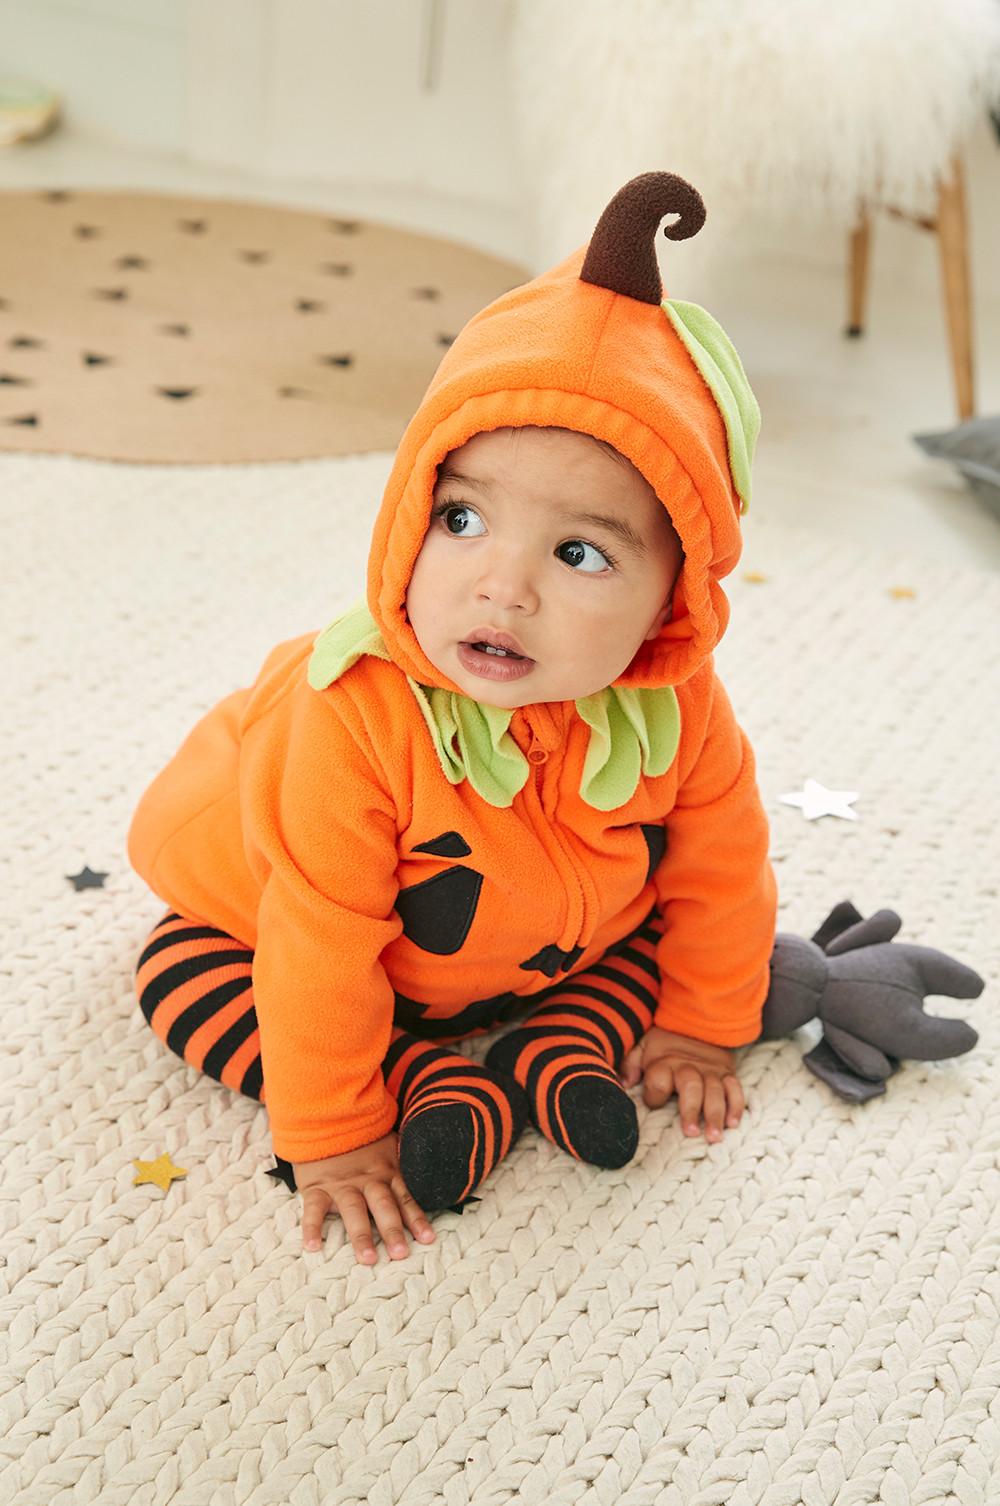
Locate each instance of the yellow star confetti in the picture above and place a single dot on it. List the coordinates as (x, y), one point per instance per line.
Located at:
(161, 1171)
(754, 577)
(902, 593)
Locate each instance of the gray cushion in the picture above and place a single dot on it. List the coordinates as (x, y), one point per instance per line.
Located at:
(974, 447)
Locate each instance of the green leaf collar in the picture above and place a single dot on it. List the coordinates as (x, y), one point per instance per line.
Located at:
(632, 732)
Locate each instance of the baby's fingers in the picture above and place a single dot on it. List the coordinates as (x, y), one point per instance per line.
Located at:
(353, 1210)
(315, 1206)
(658, 1084)
(737, 1100)
(414, 1216)
(690, 1091)
(387, 1215)
(715, 1107)
(631, 1069)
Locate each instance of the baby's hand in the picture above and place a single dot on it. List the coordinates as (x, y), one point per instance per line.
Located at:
(353, 1183)
(699, 1072)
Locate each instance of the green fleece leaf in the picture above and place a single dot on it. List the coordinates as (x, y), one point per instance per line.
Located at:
(472, 742)
(632, 731)
(714, 354)
(342, 644)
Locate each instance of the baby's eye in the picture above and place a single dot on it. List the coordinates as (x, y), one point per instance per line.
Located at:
(447, 511)
(456, 515)
(579, 548)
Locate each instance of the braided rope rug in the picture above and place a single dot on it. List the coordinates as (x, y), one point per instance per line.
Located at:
(804, 1313)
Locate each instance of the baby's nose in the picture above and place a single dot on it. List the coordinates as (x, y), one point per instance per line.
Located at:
(509, 584)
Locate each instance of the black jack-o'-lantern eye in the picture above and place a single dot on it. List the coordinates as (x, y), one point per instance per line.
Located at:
(437, 913)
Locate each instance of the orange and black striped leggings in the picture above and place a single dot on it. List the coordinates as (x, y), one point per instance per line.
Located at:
(195, 991)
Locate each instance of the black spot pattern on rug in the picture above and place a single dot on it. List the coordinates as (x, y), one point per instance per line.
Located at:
(173, 291)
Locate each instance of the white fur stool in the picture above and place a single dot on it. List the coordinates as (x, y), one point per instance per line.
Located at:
(773, 108)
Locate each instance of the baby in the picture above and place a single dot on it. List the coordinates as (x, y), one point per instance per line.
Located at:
(508, 787)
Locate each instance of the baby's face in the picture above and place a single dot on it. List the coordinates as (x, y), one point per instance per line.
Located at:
(508, 549)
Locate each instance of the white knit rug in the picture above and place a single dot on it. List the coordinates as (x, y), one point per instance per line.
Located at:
(804, 1313)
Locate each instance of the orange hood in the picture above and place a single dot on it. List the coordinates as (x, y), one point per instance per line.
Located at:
(591, 345)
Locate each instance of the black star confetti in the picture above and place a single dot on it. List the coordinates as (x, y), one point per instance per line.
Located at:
(193, 227)
(428, 293)
(177, 392)
(86, 879)
(112, 295)
(337, 360)
(446, 339)
(461, 1207)
(13, 381)
(86, 232)
(282, 1171)
(25, 342)
(26, 420)
(91, 360)
(344, 227)
(132, 263)
(175, 329)
(309, 306)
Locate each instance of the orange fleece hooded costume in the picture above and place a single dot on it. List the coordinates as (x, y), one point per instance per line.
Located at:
(392, 849)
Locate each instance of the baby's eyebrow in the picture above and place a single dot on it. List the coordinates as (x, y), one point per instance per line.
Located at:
(445, 473)
(620, 527)
(622, 530)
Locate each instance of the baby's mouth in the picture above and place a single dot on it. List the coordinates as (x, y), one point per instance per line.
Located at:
(493, 661)
(500, 653)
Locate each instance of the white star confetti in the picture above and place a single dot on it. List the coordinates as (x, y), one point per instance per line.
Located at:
(816, 800)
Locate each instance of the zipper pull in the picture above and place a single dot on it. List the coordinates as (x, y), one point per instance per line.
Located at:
(537, 753)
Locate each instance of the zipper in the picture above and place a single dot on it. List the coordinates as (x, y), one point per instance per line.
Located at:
(545, 736)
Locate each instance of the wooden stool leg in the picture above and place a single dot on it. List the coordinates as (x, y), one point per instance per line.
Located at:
(953, 244)
(858, 275)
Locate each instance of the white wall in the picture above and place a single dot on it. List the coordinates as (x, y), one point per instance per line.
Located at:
(389, 91)
(119, 64)
(384, 92)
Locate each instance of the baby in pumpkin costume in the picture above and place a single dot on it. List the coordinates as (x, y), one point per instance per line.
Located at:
(508, 787)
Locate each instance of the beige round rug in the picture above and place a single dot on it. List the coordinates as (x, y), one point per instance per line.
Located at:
(153, 327)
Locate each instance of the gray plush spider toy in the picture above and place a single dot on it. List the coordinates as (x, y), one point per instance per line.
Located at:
(868, 993)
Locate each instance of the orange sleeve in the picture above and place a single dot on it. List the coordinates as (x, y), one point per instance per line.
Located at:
(321, 833)
(717, 892)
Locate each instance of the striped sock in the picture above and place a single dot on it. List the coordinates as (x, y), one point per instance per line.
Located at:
(194, 987)
(567, 1053)
(457, 1119)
